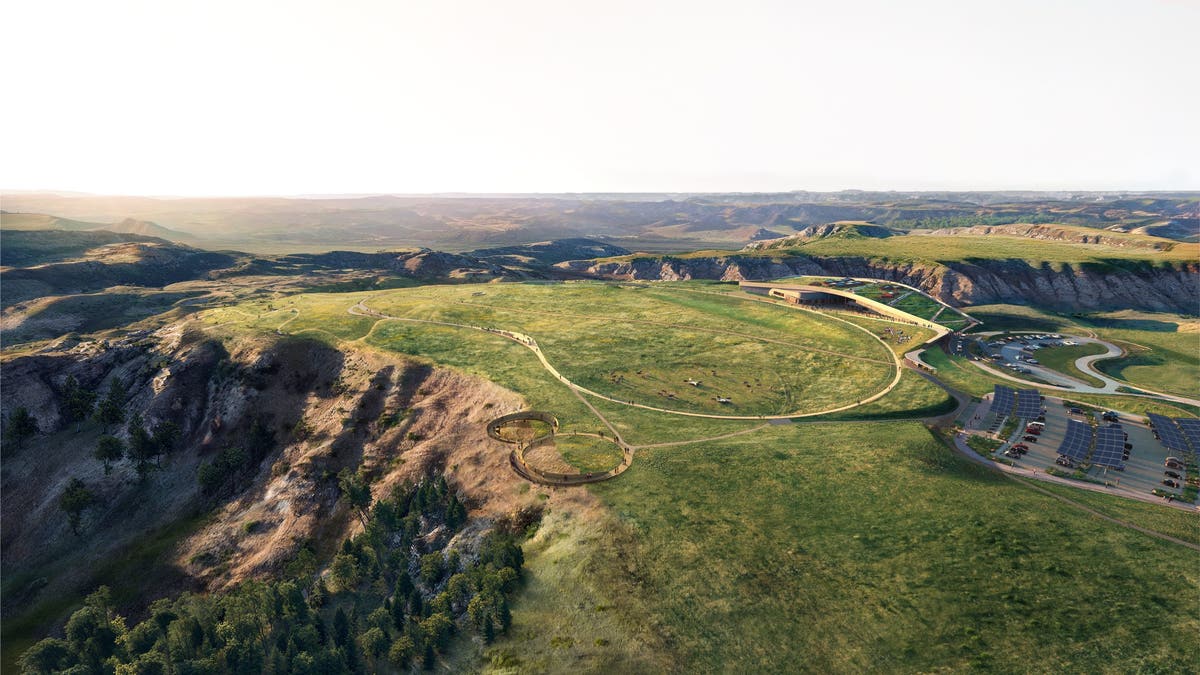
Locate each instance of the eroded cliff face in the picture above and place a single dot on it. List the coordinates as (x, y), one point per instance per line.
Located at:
(1172, 288)
(326, 408)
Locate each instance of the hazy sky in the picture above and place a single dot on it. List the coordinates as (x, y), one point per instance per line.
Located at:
(250, 97)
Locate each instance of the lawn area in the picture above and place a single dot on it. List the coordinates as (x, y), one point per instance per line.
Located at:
(1062, 359)
(1164, 519)
(645, 345)
(917, 305)
(586, 453)
(983, 445)
(867, 547)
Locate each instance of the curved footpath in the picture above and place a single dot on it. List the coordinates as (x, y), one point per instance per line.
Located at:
(361, 309)
(962, 400)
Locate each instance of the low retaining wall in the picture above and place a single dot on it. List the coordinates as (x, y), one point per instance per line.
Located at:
(517, 457)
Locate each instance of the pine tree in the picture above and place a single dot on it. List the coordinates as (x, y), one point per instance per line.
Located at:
(112, 407)
(109, 449)
(74, 500)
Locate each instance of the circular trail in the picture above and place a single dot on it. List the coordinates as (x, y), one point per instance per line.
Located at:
(548, 478)
(517, 457)
(530, 472)
(361, 309)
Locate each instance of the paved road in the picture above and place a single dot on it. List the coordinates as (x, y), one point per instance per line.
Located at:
(1061, 382)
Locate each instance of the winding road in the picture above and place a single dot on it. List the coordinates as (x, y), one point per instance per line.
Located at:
(1062, 382)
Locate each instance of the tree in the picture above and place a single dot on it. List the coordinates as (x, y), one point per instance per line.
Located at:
(432, 568)
(109, 449)
(19, 426)
(341, 628)
(357, 492)
(111, 409)
(344, 572)
(78, 402)
(141, 445)
(165, 436)
(47, 656)
(373, 642)
(74, 500)
(401, 651)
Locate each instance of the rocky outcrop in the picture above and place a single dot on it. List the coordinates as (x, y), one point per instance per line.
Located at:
(820, 232)
(1075, 235)
(1167, 287)
(327, 409)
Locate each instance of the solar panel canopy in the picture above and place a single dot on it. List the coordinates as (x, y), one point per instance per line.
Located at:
(1003, 400)
(1077, 441)
(1110, 446)
(1168, 433)
(1029, 404)
(1191, 431)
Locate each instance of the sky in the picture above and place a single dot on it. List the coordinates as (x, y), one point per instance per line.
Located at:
(357, 96)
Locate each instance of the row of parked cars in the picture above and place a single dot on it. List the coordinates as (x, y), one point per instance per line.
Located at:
(1174, 472)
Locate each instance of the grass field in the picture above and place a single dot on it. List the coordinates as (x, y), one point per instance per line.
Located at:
(917, 305)
(769, 360)
(863, 547)
(588, 454)
(958, 248)
(644, 345)
(1062, 359)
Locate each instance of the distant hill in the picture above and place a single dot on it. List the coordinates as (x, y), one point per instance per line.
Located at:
(549, 252)
(42, 221)
(662, 222)
(814, 232)
(38, 263)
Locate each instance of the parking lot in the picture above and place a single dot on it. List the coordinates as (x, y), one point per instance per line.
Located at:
(1143, 470)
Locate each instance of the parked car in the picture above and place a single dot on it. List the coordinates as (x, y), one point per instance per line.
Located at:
(1174, 465)
(1031, 438)
(1076, 411)
(1063, 461)
(1033, 430)
(1170, 483)
(1171, 474)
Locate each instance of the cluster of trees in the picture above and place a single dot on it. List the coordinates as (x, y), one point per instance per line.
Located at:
(236, 462)
(389, 600)
(145, 448)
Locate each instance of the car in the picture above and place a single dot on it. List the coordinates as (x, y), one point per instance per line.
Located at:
(1076, 411)
(1031, 438)
(1170, 483)
(1174, 460)
(1171, 474)
(1034, 430)
(1012, 453)
(1063, 461)
(1174, 465)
